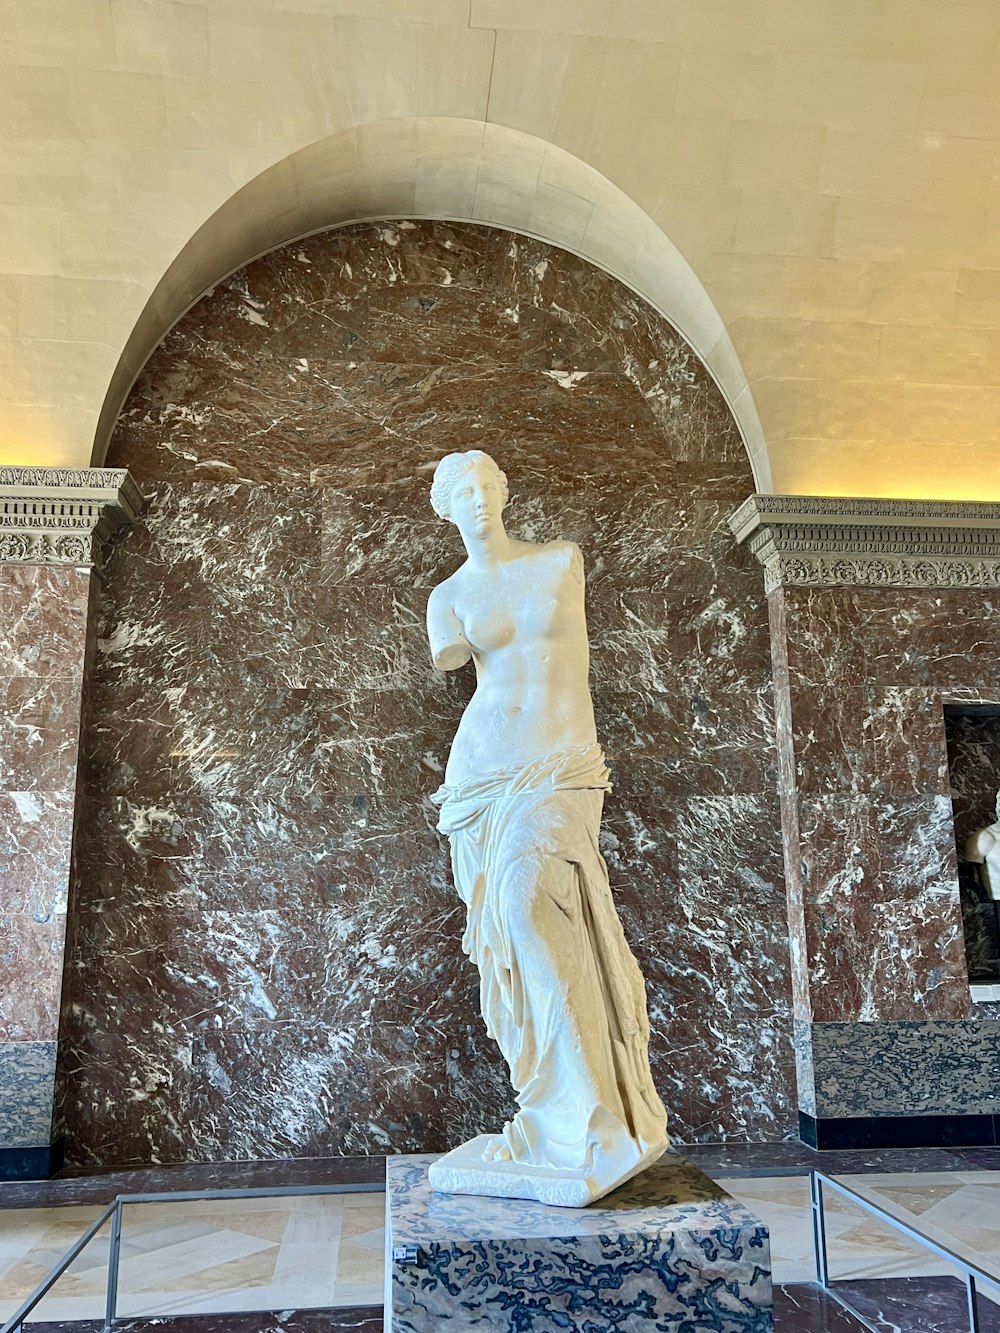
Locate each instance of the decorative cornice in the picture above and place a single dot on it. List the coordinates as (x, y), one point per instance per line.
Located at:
(822, 541)
(62, 516)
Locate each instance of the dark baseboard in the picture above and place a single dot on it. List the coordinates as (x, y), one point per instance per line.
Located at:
(901, 1131)
(343, 1319)
(32, 1163)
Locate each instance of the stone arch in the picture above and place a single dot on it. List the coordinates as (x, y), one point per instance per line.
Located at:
(259, 890)
(441, 168)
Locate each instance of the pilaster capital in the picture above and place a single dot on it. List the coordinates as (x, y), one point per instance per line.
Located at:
(62, 516)
(825, 541)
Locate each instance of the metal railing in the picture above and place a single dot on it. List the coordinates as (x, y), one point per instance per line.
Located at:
(974, 1276)
(113, 1213)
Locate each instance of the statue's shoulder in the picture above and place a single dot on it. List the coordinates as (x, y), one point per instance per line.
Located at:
(567, 552)
(445, 592)
(561, 558)
(985, 838)
(569, 556)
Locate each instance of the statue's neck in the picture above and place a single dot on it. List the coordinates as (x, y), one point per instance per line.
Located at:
(489, 550)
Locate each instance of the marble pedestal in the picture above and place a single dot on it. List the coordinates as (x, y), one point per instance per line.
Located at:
(669, 1251)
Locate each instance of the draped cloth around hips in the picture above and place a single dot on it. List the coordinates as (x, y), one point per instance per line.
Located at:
(560, 991)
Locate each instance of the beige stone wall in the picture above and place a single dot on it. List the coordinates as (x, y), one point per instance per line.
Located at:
(830, 170)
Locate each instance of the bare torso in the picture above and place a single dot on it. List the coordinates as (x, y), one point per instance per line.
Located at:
(522, 622)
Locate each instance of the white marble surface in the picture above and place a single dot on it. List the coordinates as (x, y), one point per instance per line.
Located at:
(478, 1167)
(560, 991)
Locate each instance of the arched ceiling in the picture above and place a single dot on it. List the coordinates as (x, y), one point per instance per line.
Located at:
(456, 169)
(829, 170)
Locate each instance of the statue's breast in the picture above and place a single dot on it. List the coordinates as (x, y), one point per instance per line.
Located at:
(490, 628)
(522, 613)
(529, 603)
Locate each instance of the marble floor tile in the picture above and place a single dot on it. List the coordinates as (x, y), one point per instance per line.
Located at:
(980, 1159)
(783, 1205)
(343, 1319)
(960, 1210)
(801, 1308)
(102, 1186)
(892, 1305)
(915, 1305)
(778, 1159)
(194, 1258)
(199, 1261)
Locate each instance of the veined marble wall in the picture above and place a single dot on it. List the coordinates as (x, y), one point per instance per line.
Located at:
(43, 639)
(266, 951)
(973, 739)
(886, 1023)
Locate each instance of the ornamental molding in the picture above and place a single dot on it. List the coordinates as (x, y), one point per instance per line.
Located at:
(824, 541)
(63, 516)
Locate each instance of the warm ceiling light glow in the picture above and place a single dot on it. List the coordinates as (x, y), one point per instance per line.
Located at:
(28, 455)
(896, 488)
(890, 475)
(31, 437)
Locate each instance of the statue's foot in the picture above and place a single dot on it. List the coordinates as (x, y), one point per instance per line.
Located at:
(496, 1149)
(485, 1166)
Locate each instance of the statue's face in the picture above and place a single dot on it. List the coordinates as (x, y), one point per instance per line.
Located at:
(476, 500)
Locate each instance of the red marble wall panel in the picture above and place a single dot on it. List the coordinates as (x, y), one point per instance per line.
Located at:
(266, 952)
(31, 964)
(43, 620)
(788, 798)
(43, 634)
(36, 830)
(868, 674)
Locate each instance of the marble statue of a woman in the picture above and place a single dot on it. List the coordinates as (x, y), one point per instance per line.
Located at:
(983, 848)
(521, 804)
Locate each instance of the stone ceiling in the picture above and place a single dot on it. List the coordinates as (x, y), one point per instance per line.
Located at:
(824, 175)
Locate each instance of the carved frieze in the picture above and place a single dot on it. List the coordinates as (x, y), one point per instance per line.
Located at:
(821, 541)
(62, 516)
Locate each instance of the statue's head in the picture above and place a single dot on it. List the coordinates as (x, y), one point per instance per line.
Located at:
(469, 489)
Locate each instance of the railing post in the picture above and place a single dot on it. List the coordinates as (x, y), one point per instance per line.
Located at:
(113, 1254)
(970, 1293)
(819, 1229)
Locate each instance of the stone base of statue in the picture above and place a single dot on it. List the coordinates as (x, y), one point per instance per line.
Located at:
(668, 1251)
(468, 1170)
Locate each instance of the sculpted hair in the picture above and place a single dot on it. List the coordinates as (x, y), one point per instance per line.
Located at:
(449, 472)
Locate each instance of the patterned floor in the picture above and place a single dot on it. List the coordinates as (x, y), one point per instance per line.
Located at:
(960, 1210)
(190, 1258)
(321, 1251)
(949, 1209)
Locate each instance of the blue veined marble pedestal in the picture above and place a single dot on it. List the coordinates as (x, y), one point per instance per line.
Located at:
(669, 1251)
